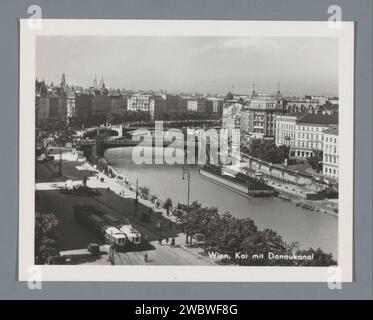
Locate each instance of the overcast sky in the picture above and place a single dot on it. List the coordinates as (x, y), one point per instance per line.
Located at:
(192, 64)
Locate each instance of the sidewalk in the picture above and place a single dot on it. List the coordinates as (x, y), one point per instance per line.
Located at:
(182, 253)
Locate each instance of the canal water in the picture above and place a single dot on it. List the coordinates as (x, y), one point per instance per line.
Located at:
(308, 228)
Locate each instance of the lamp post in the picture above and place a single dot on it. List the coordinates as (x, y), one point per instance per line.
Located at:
(186, 172)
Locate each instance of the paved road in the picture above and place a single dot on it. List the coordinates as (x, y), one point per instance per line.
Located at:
(76, 237)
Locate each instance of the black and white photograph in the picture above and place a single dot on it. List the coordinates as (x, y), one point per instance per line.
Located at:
(186, 150)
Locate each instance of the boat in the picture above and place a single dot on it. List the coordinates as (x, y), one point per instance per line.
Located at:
(237, 181)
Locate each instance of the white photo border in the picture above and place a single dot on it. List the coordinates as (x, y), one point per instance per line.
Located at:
(345, 36)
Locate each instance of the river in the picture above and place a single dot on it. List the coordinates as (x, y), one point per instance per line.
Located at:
(308, 228)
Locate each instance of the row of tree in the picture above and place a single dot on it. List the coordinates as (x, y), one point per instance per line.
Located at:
(127, 116)
(187, 115)
(228, 235)
(46, 233)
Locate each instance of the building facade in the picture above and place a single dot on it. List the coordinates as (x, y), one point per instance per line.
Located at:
(101, 105)
(42, 108)
(83, 105)
(286, 131)
(216, 105)
(312, 105)
(309, 133)
(157, 105)
(331, 153)
(231, 118)
(261, 113)
(196, 104)
(139, 102)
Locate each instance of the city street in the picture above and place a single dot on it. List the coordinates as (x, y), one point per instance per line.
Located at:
(75, 237)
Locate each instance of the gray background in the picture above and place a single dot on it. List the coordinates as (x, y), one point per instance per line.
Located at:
(358, 10)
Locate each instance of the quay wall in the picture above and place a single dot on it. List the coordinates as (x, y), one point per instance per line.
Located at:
(300, 179)
(226, 182)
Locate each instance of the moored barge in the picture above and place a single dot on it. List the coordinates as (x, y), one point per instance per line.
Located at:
(237, 181)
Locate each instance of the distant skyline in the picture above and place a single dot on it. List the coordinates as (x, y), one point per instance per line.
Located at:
(192, 64)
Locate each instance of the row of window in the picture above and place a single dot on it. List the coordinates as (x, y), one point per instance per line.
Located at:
(331, 171)
(330, 139)
(331, 158)
(330, 148)
(298, 127)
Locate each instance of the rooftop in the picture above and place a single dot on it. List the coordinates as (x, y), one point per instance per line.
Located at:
(331, 130)
(322, 119)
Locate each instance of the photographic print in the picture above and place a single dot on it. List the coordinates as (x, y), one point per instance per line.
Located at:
(186, 150)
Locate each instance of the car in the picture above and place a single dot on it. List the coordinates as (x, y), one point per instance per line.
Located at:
(93, 248)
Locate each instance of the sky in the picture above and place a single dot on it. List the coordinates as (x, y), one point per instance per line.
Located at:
(192, 64)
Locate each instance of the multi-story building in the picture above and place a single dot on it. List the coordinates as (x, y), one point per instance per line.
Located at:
(306, 104)
(261, 113)
(42, 108)
(174, 103)
(151, 103)
(101, 104)
(157, 106)
(139, 102)
(309, 133)
(286, 131)
(216, 105)
(231, 118)
(196, 104)
(118, 103)
(54, 106)
(331, 153)
(83, 105)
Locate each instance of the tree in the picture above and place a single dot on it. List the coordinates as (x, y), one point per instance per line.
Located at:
(168, 205)
(226, 234)
(229, 96)
(145, 191)
(320, 258)
(316, 160)
(267, 151)
(46, 233)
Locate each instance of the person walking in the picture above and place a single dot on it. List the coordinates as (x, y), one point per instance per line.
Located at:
(160, 241)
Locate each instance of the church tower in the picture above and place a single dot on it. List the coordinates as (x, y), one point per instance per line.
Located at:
(63, 81)
(95, 82)
(102, 84)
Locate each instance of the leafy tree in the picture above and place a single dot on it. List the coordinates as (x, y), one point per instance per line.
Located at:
(316, 160)
(320, 258)
(145, 191)
(264, 242)
(267, 151)
(226, 234)
(46, 233)
(168, 205)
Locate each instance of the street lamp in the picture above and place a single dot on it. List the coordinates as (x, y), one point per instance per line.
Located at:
(186, 172)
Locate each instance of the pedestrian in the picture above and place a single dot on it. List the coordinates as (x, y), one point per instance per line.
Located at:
(145, 257)
(167, 240)
(172, 242)
(160, 241)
